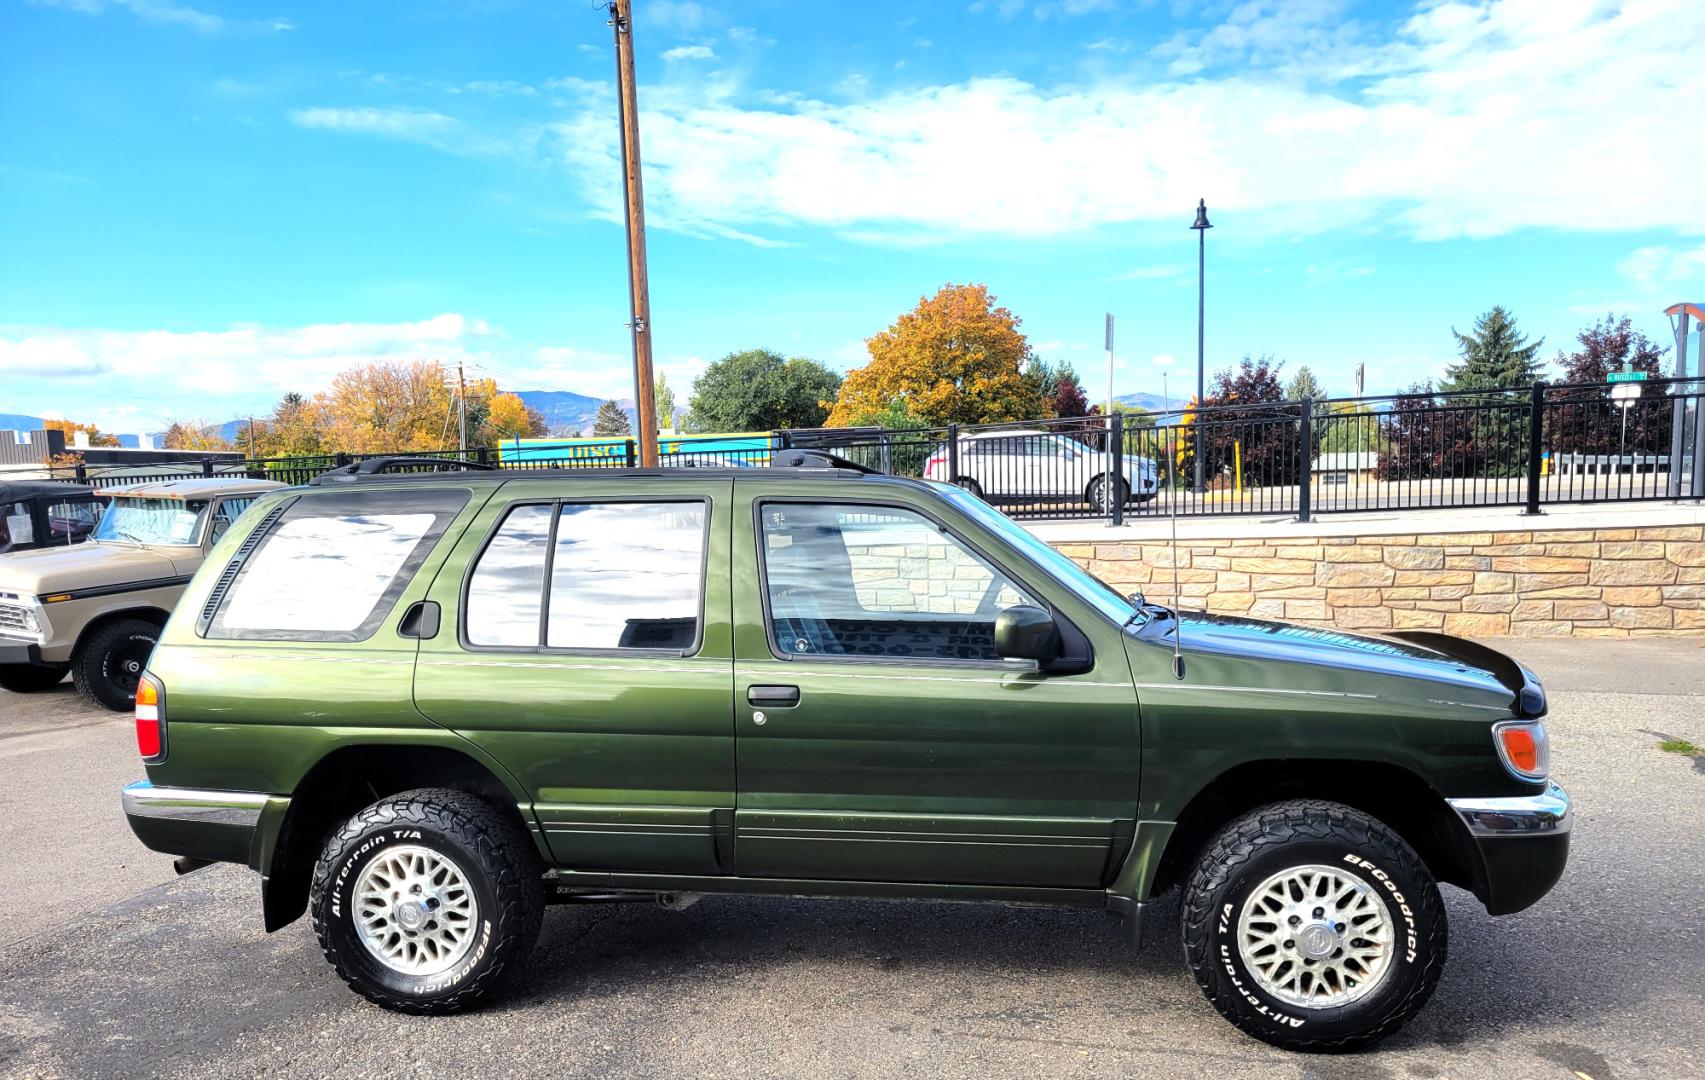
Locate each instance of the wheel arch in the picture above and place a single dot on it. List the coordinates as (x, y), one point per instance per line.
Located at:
(345, 780)
(1390, 793)
(150, 613)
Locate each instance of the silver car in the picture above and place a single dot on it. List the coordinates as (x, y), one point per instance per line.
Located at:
(1030, 465)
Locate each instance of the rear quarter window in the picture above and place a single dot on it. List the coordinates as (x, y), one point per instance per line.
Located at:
(330, 568)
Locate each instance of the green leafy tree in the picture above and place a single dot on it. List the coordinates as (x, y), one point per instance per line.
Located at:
(758, 390)
(1494, 354)
(665, 402)
(611, 421)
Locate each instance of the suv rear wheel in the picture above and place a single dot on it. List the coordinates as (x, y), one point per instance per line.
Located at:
(1312, 926)
(109, 663)
(27, 678)
(423, 901)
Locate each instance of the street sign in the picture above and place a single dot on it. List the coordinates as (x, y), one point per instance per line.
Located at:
(1626, 376)
(1625, 393)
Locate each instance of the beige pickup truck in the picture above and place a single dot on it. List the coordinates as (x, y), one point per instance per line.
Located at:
(95, 609)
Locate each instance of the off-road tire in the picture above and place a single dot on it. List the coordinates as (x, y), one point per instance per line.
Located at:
(101, 667)
(503, 870)
(29, 678)
(1098, 497)
(1266, 841)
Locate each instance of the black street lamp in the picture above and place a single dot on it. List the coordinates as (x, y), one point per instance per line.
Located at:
(1201, 225)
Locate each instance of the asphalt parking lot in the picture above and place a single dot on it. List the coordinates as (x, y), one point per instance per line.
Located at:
(111, 967)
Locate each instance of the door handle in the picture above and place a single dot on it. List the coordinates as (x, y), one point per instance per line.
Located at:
(773, 697)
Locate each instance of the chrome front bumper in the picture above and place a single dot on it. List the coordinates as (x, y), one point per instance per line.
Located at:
(1520, 815)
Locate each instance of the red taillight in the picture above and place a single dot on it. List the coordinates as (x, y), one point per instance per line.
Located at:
(150, 719)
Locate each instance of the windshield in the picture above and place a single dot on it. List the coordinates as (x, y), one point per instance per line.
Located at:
(152, 521)
(1104, 596)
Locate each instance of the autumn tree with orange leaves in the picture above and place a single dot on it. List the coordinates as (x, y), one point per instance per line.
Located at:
(954, 359)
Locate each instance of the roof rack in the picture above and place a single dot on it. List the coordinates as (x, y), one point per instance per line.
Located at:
(380, 465)
(816, 459)
(402, 467)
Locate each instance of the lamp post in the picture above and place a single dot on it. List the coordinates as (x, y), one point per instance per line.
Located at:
(1201, 225)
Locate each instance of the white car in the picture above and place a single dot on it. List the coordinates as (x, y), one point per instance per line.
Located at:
(1010, 466)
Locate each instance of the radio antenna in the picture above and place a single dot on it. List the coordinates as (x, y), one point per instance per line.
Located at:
(1172, 497)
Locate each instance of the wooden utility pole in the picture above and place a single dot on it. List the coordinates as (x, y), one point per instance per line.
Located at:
(639, 291)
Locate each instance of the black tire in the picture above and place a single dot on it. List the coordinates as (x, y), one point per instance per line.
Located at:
(28, 678)
(109, 663)
(1265, 842)
(970, 485)
(503, 872)
(1098, 496)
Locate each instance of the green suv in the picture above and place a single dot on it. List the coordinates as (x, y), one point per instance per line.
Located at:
(425, 706)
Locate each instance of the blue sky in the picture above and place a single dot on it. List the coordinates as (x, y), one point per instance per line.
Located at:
(204, 206)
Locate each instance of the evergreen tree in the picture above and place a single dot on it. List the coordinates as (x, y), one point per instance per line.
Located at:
(611, 420)
(1494, 354)
(1304, 385)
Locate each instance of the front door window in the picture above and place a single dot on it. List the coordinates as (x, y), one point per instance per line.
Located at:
(847, 580)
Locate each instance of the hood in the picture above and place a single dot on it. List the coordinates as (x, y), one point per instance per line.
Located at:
(1284, 656)
(81, 566)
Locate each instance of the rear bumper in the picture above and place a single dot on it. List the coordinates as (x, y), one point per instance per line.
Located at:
(219, 826)
(1523, 843)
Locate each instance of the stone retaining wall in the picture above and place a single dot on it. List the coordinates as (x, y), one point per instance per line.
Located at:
(1581, 582)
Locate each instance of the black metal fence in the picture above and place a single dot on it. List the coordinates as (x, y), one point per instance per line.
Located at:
(1529, 446)
(1526, 447)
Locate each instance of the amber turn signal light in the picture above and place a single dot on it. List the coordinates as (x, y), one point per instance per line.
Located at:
(1524, 748)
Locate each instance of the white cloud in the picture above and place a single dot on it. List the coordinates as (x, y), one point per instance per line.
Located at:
(690, 52)
(425, 127)
(1474, 120)
(418, 125)
(674, 16)
(608, 375)
(1042, 9)
(1164, 360)
(1663, 267)
(164, 13)
(131, 380)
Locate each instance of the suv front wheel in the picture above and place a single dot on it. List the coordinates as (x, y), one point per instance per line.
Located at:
(1312, 926)
(109, 663)
(423, 901)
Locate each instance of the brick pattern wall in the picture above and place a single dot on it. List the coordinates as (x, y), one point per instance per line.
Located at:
(1573, 582)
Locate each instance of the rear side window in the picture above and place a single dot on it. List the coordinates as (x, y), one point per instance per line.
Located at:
(331, 568)
(615, 575)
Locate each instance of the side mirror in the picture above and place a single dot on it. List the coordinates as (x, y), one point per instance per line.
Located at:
(1027, 633)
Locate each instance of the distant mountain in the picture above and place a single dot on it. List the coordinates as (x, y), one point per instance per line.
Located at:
(1149, 402)
(566, 412)
(20, 422)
